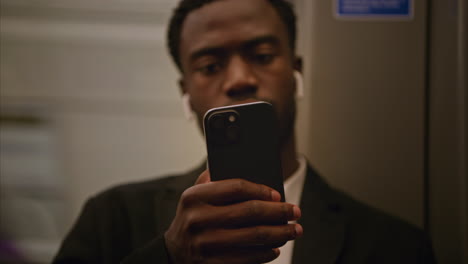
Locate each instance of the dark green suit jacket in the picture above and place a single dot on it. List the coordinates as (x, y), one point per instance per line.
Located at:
(126, 225)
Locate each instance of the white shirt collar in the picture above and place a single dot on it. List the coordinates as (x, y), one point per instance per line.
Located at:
(293, 185)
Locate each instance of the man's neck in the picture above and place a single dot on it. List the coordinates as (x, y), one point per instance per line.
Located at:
(288, 157)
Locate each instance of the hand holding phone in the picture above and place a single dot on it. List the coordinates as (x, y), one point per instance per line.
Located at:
(238, 216)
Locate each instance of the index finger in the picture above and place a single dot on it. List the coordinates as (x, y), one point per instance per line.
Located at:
(234, 191)
(204, 177)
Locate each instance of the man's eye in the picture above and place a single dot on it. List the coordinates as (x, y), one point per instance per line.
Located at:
(265, 58)
(210, 68)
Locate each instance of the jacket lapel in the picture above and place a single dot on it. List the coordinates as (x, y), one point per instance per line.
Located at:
(323, 222)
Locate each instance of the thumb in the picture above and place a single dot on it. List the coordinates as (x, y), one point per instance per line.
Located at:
(203, 178)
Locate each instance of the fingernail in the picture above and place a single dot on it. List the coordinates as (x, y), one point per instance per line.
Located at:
(275, 196)
(296, 212)
(299, 230)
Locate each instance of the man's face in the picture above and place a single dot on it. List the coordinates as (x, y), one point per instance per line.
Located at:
(237, 51)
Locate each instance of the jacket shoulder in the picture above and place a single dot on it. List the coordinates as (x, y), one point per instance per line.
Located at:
(120, 220)
(369, 217)
(172, 182)
(382, 234)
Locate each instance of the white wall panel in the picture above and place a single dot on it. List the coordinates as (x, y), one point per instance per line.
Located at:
(102, 78)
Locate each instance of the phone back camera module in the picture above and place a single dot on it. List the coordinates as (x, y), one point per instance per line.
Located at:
(225, 128)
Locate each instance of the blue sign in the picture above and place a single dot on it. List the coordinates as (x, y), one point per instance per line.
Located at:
(374, 8)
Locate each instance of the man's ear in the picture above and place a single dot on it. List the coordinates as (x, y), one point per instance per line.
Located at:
(181, 83)
(298, 77)
(186, 104)
(298, 64)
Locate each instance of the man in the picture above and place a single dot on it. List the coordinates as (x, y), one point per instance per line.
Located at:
(230, 52)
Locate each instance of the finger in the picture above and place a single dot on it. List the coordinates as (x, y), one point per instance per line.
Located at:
(241, 256)
(227, 239)
(235, 190)
(248, 213)
(255, 212)
(203, 178)
(227, 192)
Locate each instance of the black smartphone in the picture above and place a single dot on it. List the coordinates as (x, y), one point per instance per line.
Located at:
(243, 142)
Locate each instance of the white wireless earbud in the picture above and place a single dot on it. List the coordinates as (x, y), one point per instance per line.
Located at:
(188, 112)
(299, 84)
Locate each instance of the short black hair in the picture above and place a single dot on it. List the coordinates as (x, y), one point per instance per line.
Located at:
(282, 7)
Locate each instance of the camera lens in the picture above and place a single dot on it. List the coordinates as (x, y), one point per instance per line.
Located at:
(232, 133)
(217, 122)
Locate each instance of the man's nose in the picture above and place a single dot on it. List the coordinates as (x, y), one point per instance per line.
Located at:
(240, 81)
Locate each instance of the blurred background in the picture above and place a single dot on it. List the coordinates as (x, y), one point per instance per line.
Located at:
(89, 99)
